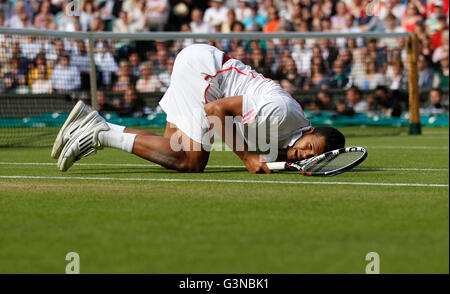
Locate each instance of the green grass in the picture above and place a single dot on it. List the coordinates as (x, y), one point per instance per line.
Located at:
(212, 227)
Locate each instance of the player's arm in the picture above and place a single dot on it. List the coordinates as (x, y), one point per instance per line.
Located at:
(232, 106)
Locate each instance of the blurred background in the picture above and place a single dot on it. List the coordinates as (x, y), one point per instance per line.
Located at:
(339, 81)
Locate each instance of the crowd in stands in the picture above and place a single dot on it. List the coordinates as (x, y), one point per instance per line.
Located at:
(39, 65)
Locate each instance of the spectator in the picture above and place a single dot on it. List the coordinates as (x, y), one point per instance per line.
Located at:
(254, 22)
(398, 78)
(441, 78)
(105, 63)
(436, 104)
(244, 10)
(164, 77)
(22, 87)
(14, 73)
(216, 14)
(227, 24)
(132, 105)
(34, 71)
(65, 77)
(42, 84)
(87, 15)
(272, 24)
(103, 104)
(198, 25)
(122, 24)
(135, 65)
(325, 101)
(411, 17)
(338, 21)
(148, 82)
(135, 10)
(258, 62)
(388, 105)
(44, 17)
(371, 77)
(157, 13)
(289, 75)
(124, 81)
(343, 109)
(338, 77)
(355, 101)
(318, 78)
(426, 73)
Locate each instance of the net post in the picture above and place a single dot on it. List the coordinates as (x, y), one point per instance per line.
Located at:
(92, 73)
(412, 46)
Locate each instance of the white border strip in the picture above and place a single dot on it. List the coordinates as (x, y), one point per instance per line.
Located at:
(227, 181)
(215, 166)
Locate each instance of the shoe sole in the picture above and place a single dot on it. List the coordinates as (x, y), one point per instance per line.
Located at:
(58, 145)
(62, 161)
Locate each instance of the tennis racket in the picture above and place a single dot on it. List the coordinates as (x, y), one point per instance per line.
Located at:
(327, 164)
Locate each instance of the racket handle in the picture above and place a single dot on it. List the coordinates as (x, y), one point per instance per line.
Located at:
(276, 165)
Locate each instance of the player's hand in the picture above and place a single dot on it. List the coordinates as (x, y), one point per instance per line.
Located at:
(254, 165)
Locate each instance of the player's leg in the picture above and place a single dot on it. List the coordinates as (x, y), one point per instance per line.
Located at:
(174, 151)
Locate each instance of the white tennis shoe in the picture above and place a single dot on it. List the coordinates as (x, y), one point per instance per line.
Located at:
(84, 141)
(76, 116)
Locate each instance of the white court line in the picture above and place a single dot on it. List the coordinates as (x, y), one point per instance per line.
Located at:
(227, 181)
(408, 147)
(215, 166)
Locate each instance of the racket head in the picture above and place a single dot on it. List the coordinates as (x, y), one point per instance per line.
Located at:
(334, 162)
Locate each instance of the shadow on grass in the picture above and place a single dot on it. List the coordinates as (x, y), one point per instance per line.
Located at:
(146, 170)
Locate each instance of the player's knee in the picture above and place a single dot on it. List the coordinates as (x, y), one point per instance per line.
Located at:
(188, 166)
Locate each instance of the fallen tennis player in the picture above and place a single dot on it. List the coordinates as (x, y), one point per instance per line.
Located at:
(207, 88)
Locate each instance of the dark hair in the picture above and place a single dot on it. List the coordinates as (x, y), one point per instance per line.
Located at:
(436, 90)
(334, 139)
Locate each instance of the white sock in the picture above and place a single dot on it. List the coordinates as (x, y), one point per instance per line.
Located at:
(117, 139)
(116, 127)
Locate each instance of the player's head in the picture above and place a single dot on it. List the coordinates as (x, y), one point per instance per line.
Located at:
(314, 142)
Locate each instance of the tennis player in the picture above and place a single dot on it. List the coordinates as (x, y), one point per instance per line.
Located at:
(207, 87)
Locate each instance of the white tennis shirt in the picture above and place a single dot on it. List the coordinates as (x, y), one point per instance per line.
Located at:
(199, 77)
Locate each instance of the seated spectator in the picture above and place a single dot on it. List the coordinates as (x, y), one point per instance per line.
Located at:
(105, 63)
(164, 77)
(132, 105)
(13, 73)
(325, 101)
(255, 21)
(343, 109)
(33, 73)
(319, 77)
(22, 87)
(103, 104)
(123, 81)
(198, 25)
(411, 17)
(398, 78)
(135, 65)
(42, 84)
(338, 78)
(443, 50)
(436, 104)
(355, 101)
(81, 60)
(441, 78)
(387, 103)
(148, 82)
(258, 62)
(44, 17)
(157, 13)
(87, 15)
(216, 14)
(371, 78)
(338, 20)
(426, 73)
(65, 77)
(135, 10)
(272, 24)
(289, 74)
(243, 11)
(121, 24)
(391, 26)
(227, 24)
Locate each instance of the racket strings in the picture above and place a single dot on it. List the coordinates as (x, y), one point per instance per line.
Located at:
(333, 162)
